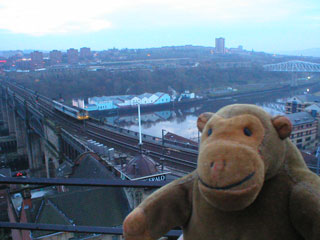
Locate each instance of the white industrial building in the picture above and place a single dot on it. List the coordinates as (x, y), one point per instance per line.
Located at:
(113, 102)
(78, 103)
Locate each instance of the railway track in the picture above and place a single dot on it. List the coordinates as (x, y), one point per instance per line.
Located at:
(169, 161)
(183, 161)
(149, 145)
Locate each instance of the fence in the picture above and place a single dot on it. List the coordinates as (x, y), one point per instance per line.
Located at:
(43, 182)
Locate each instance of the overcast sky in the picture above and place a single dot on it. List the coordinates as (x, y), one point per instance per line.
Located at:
(262, 25)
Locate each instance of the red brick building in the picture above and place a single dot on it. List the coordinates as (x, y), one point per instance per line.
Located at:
(55, 57)
(36, 59)
(85, 53)
(305, 130)
(300, 102)
(73, 56)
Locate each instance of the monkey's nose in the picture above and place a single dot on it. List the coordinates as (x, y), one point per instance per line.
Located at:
(217, 167)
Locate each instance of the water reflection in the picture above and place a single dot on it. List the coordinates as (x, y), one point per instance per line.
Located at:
(182, 120)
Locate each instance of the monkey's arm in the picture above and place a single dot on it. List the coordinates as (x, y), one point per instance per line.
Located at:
(168, 207)
(305, 209)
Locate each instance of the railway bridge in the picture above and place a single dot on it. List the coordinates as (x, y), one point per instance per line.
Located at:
(49, 138)
(294, 67)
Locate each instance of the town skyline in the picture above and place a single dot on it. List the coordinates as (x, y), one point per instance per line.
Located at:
(268, 26)
(311, 52)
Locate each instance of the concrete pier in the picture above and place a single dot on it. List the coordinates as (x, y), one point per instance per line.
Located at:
(36, 152)
(11, 123)
(20, 131)
(8, 144)
(4, 113)
(33, 134)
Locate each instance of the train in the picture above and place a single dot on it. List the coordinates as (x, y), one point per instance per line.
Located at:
(76, 113)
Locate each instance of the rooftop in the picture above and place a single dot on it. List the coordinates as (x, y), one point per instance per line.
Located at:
(306, 98)
(90, 165)
(159, 94)
(141, 166)
(83, 206)
(5, 172)
(315, 106)
(300, 118)
(174, 137)
(86, 207)
(147, 95)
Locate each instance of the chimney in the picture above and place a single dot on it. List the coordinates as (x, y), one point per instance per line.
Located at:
(26, 196)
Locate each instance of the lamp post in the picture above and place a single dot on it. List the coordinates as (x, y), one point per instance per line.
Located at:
(163, 137)
(139, 120)
(163, 133)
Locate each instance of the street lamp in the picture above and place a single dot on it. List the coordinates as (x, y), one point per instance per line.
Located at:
(139, 119)
(163, 133)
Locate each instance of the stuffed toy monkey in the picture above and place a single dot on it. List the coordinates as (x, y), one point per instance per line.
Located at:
(251, 183)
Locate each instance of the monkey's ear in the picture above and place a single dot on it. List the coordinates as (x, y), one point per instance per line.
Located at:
(203, 119)
(282, 125)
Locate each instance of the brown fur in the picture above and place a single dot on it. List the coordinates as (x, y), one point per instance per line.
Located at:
(251, 183)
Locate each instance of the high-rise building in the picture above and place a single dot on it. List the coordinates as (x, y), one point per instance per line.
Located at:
(55, 57)
(220, 48)
(73, 56)
(36, 59)
(85, 53)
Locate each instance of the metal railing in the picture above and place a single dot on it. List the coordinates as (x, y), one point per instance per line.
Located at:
(43, 182)
(82, 182)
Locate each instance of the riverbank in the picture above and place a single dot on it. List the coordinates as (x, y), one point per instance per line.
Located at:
(194, 102)
(261, 91)
(182, 120)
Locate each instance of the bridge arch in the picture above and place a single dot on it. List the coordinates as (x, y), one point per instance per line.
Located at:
(293, 66)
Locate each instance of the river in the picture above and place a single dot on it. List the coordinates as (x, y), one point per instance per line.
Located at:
(182, 120)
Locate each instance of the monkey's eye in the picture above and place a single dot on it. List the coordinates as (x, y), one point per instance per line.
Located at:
(247, 132)
(209, 132)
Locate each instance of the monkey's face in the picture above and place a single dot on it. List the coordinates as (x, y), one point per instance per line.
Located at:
(231, 163)
(230, 168)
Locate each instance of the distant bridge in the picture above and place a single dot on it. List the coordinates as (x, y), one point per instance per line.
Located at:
(293, 66)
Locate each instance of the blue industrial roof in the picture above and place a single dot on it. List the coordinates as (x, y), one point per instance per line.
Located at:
(300, 118)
